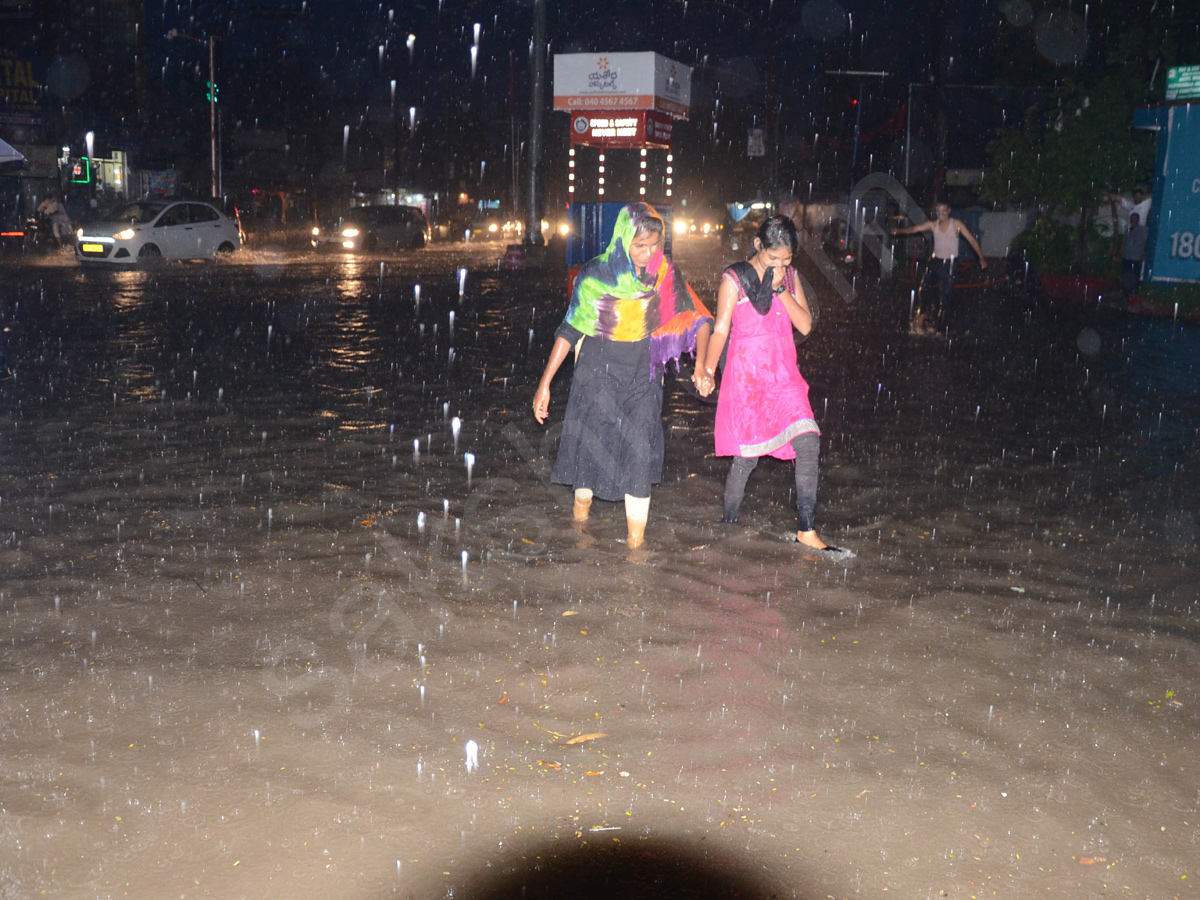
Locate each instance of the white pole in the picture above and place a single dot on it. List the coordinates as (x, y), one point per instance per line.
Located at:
(908, 133)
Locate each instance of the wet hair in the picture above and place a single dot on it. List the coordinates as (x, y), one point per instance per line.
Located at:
(778, 232)
(645, 219)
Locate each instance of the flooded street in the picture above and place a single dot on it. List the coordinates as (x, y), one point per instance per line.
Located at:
(288, 606)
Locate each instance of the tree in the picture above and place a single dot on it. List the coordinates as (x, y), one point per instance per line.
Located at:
(1075, 148)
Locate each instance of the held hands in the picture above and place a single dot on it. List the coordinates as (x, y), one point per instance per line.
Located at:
(541, 404)
(704, 381)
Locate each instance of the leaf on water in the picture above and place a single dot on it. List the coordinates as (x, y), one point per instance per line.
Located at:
(570, 612)
(587, 737)
(368, 522)
(550, 765)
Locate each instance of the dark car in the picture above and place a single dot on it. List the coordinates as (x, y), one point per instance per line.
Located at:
(367, 228)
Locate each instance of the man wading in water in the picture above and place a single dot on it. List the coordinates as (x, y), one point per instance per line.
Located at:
(946, 231)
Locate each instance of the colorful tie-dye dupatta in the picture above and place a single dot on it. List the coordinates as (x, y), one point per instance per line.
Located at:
(611, 302)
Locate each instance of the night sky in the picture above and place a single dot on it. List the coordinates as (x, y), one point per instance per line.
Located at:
(325, 69)
(342, 40)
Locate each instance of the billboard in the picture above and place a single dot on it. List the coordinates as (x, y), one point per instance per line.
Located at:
(1183, 83)
(636, 129)
(1173, 254)
(20, 91)
(617, 82)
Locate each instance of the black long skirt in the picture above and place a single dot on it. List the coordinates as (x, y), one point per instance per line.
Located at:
(612, 439)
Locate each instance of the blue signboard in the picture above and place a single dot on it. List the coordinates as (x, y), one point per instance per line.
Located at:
(592, 227)
(1173, 254)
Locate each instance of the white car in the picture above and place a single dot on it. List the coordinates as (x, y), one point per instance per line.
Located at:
(150, 229)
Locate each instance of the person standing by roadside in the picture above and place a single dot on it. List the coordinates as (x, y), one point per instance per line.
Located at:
(51, 209)
(946, 232)
(789, 205)
(1133, 253)
(1140, 204)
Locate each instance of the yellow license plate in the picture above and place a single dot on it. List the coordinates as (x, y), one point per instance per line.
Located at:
(91, 248)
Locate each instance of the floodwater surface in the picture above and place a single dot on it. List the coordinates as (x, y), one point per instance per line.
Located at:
(288, 606)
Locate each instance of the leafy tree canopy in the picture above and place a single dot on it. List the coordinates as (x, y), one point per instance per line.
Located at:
(1079, 143)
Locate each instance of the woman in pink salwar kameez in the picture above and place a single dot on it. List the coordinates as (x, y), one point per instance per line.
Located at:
(763, 408)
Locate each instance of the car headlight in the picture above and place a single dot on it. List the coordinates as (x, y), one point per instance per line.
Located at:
(493, 227)
(127, 235)
(316, 231)
(79, 232)
(681, 226)
(350, 232)
(564, 229)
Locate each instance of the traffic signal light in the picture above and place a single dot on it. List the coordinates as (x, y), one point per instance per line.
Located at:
(212, 92)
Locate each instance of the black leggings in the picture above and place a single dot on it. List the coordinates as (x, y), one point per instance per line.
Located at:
(944, 270)
(808, 452)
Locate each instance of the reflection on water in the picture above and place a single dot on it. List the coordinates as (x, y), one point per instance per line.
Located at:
(341, 330)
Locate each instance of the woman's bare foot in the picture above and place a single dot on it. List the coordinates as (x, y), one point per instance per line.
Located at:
(810, 539)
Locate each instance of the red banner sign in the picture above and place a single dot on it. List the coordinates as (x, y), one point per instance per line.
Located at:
(631, 129)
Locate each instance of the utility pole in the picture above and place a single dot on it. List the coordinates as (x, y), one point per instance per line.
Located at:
(537, 100)
(858, 105)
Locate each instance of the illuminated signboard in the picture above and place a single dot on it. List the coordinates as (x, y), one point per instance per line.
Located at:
(81, 171)
(619, 82)
(635, 129)
(1183, 83)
